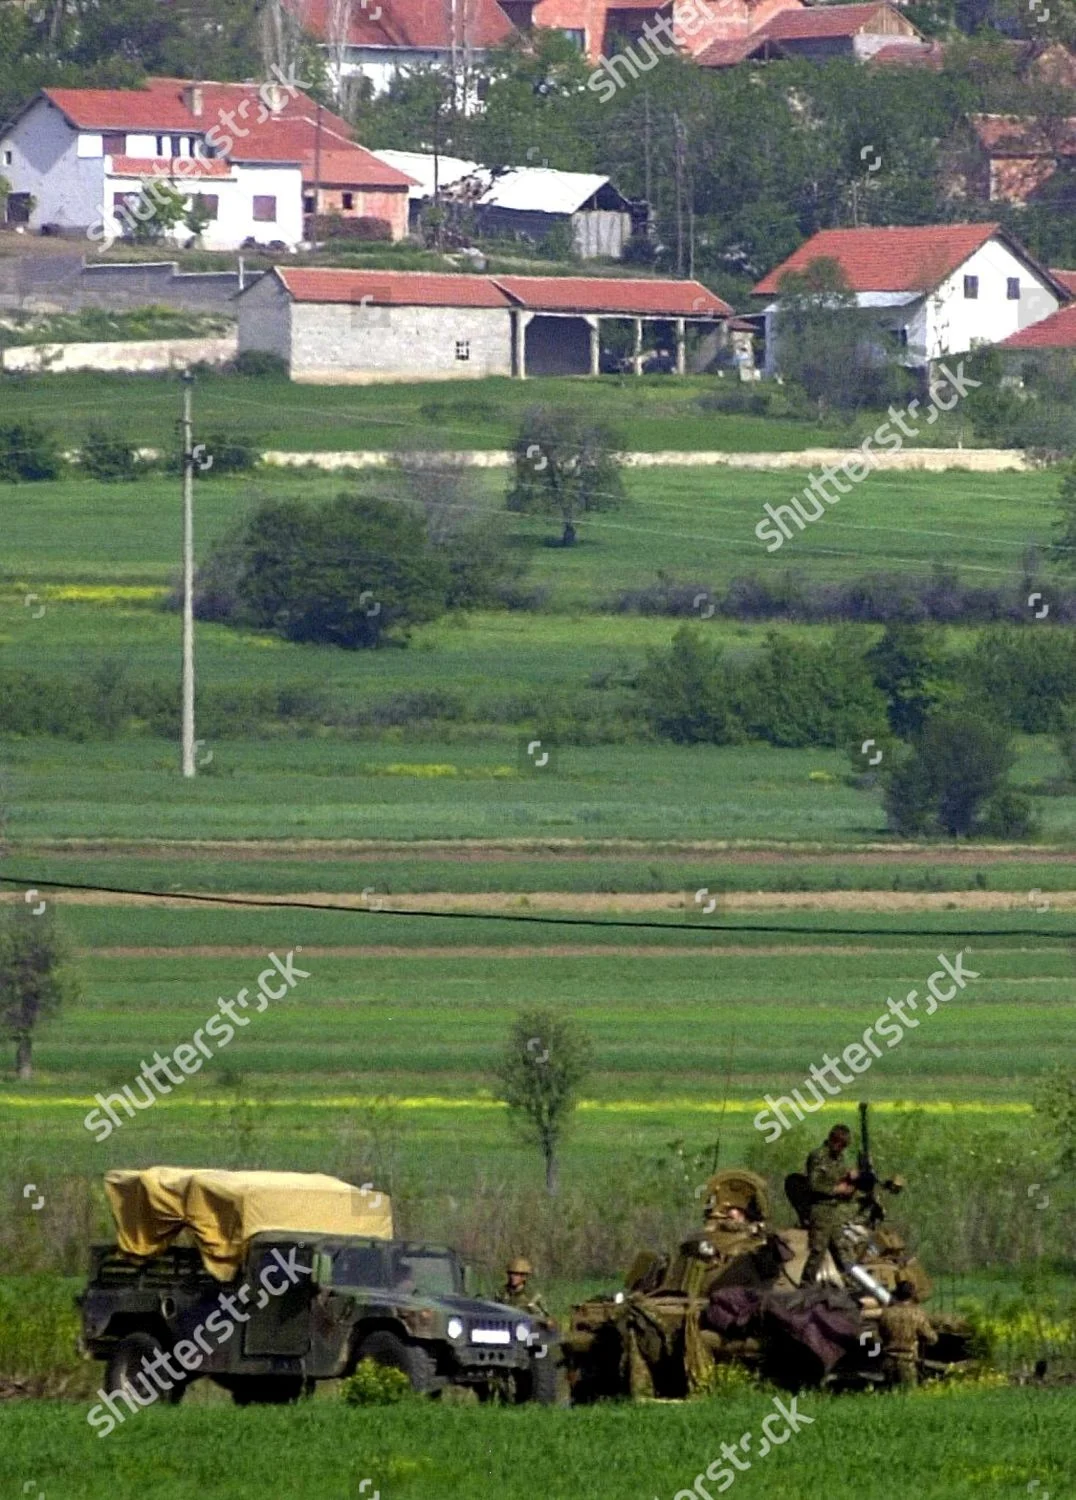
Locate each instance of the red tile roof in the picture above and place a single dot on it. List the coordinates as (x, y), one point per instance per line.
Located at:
(1014, 135)
(352, 168)
(1058, 331)
(179, 167)
(391, 288)
(827, 21)
(1066, 278)
(727, 54)
(887, 260)
(162, 104)
(612, 294)
(910, 53)
(412, 23)
(655, 299)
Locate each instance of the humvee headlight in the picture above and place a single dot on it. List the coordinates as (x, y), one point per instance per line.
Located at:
(455, 1328)
(523, 1332)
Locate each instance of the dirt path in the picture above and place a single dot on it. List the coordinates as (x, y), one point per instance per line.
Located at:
(591, 902)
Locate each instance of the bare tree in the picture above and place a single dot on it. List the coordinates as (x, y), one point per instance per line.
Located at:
(35, 977)
(338, 32)
(546, 1058)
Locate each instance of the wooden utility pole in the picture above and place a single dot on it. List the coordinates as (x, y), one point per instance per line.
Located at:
(188, 580)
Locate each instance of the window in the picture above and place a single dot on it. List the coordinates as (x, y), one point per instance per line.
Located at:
(161, 148)
(114, 143)
(264, 209)
(348, 200)
(210, 202)
(1012, 288)
(7, 158)
(308, 203)
(971, 286)
(120, 201)
(463, 348)
(576, 36)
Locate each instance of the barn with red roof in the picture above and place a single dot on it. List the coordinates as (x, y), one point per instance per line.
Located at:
(356, 327)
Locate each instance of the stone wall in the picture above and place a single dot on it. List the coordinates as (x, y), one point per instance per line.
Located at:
(142, 356)
(332, 342)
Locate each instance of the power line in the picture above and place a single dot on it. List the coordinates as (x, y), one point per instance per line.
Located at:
(34, 883)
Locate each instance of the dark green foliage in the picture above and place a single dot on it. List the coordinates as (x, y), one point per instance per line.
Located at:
(904, 665)
(805, 694)
(356, 572)
(947, 781)
(837, 353)
(543, 1064)
(28, 451)
(565, 465)
(1064, 547)
(1056, 1104)
(35, 978)
(1024, 677)
(685, 692)
(108, 456)
(260, 364)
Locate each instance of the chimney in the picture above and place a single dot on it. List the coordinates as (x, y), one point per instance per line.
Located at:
(193, 98)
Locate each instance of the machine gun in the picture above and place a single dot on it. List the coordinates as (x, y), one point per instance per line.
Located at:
(868, 1181)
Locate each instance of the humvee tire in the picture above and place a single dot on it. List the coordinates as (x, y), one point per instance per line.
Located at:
(543, 1383)
(266, 1390)
(126, 1364)
(384, 1348)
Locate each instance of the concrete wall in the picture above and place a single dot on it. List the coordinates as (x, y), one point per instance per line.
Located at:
(334, 343)
(144, 356)
(51, 282)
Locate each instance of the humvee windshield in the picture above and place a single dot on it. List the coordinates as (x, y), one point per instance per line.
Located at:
(421, 1269)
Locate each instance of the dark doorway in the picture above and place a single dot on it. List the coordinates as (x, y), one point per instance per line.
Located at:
(557, 346)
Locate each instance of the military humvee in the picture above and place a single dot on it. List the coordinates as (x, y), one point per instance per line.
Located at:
(265, 1312)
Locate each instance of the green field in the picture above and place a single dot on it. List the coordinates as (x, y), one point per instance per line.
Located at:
(580, 886)
(654, 412)
(965, 1445)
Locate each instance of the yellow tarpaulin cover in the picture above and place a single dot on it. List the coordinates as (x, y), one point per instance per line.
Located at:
(223, 1210)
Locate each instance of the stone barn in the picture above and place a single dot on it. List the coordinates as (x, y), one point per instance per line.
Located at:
(357, 327)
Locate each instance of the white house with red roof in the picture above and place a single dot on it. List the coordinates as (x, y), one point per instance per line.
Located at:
(260, 157)
(338, 327)
(939, 289)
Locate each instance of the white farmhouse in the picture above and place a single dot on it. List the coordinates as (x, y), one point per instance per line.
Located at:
(260, 158)
(939, 289)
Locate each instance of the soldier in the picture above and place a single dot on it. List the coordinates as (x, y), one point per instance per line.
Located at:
(903, 1326)
(831, 1187)
(517, 1294)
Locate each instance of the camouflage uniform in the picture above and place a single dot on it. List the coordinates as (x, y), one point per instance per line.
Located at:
(902, 1326)
(526, 1300)
(828, 1213)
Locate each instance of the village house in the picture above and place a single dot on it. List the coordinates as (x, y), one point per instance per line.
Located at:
(818, 33)
(259, 158)
(357, 327)
(1010, 159)
(936, 290)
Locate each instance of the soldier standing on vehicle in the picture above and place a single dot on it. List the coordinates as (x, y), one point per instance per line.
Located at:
(516, 1293)
(832, 1186)
(903, 1326)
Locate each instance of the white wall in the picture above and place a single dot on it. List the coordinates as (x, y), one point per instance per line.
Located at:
(235, 205)
(138, 357)
(954, 323)
(45, 161)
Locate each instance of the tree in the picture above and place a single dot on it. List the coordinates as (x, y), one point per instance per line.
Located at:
(828, 345)
(904, 665)
(545, 1060)
(352, 573)
(159, 208)
(685, 692)
(35, 979)
(197, 217)
(565, 465)
(1064, 548)
(953, 779)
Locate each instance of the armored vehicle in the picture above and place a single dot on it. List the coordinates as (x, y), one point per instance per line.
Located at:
(265, 1305)
(731, 1294)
